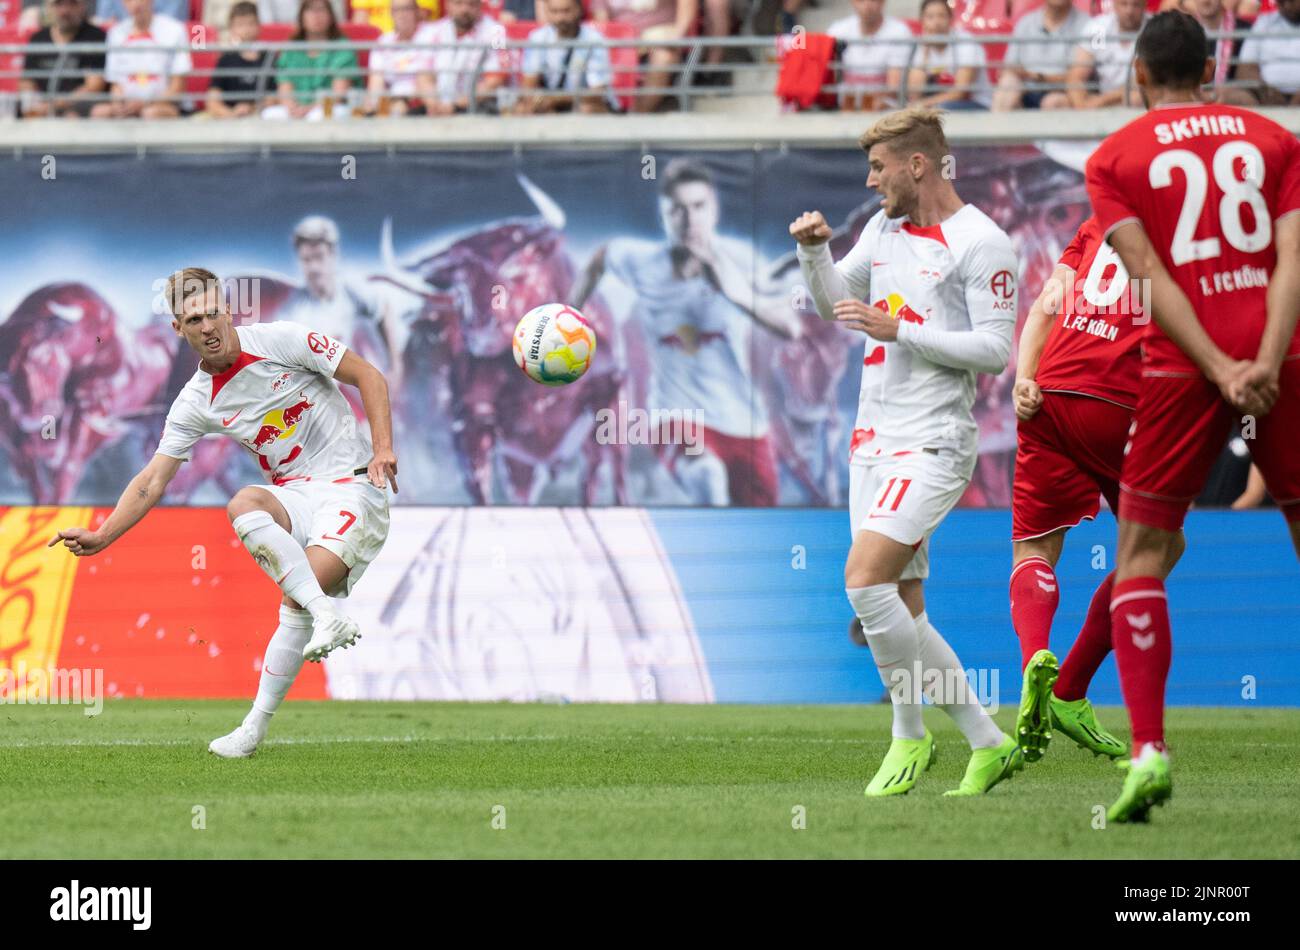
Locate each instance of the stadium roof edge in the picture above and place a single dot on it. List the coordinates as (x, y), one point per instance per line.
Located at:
(687, 129)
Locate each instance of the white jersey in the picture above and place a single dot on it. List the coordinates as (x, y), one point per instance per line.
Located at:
(700, 342)
(279, 400)
(941, 283)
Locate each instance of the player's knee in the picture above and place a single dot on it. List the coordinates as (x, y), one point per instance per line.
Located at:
(1146, 551)
(1176, 548)
(1047, 547)
(867, 574)
(245, 500)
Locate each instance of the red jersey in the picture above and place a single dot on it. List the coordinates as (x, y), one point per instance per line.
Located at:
(1207, 182)
(1093, 347)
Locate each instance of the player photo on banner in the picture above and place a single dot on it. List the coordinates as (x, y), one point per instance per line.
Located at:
(714, 383)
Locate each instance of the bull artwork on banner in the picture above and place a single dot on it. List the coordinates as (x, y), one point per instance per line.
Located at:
(87, 375)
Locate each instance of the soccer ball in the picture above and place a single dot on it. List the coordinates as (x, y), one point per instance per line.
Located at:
(554, 344)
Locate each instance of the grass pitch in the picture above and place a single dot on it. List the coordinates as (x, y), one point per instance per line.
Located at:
(424, 780)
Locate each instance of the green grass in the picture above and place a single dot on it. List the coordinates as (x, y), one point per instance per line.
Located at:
(420, 780)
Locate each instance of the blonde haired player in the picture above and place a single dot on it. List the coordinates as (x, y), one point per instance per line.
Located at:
(932, 283)
(324, 515)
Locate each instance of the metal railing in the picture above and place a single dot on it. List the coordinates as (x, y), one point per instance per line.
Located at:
(754, 75)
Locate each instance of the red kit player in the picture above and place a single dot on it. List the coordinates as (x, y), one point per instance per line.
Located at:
(1202, 201)
(1076, 385)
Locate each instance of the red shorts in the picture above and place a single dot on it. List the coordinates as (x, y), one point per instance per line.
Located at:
(1067, 456)
(1180, 427)
(750, 464)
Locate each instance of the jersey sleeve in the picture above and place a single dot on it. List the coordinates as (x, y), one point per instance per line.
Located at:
(294, 345)
(1110, 204)
(989, 271)
(829, 281)
(182, 429)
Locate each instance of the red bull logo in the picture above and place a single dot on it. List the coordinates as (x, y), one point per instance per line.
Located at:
(279, 423)
(898, 309)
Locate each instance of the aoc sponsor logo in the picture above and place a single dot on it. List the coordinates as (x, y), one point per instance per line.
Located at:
(134, 904)
(319, 343)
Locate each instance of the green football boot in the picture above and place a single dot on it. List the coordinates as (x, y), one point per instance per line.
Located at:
(1034, 720)
(1078, 720)
(904, 762)
(1146, 785)
(987, 767)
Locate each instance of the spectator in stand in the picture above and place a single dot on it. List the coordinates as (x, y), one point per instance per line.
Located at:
(377, 13)
(948, 69)
(115, 11)
(583, 75)
(144, 83)
(306, 77)
(402, 76)
(241, 84)
(465, 30)
(515, 11)
(789, 15)
(1215, 17)
(1039, 63)
(657, 21)
(286, 11)
(1270, 57)
(69, 94)
(877, 66)
(1104, 59)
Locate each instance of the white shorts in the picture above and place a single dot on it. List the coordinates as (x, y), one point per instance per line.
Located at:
(905, 498)
(349, 519)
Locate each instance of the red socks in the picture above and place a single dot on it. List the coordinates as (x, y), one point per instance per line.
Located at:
(1143, 649)
(1034, 596)
(1090, 647)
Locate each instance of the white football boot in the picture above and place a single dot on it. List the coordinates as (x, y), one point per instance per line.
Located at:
(240, 744)
(329, 631)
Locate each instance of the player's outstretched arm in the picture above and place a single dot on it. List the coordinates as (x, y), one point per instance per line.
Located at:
(1172, 311)
(143, 492)
(355, 371)
(1038, 326)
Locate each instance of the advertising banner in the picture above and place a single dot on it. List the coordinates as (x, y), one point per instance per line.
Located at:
(424, 263)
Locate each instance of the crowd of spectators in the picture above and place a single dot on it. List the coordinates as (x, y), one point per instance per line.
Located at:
(442, 57)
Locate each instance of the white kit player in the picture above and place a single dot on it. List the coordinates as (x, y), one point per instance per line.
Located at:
(932, 283)
(697, 304)
(322, 518)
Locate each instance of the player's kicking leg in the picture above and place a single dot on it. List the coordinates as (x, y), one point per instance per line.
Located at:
(310, 627)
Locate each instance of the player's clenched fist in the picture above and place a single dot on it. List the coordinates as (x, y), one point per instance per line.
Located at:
(1028, 398)
(80, 541)
(810, 228)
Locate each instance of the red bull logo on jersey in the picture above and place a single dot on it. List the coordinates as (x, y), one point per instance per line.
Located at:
(897, 308)
(279, 424)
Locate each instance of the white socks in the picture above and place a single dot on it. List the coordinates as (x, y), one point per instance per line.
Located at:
(280, 666)
(949, 689)
(283, 560)
(911, 655)
(892, 637)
